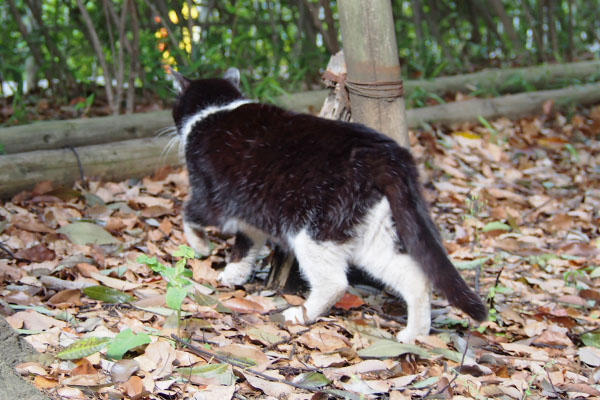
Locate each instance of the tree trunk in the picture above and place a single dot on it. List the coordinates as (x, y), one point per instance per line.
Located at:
(35, 50)
(417, 9)
(433, 20)
(133, 60)
(571, 45)
(535, 30)
(98, 49)
(330, 41)
(508, 26)
(540, 26)
(59, 66)
(489, 22)
(552, 30)
(475, 34)
(371, 54)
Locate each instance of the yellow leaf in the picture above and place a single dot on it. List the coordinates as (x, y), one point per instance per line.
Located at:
(467, 135)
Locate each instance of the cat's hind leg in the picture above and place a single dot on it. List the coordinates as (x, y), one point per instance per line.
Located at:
(324, 265)
(406, 277)
(243, 255)
(377, 252)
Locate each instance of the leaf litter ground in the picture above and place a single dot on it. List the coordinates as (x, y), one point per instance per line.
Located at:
(518, 204)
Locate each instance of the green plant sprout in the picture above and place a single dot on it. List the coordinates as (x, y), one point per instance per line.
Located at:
(177, 278)
(86, 104)
(489, 127)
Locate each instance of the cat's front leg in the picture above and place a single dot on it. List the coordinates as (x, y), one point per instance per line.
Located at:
(196, 238)
(243, 255)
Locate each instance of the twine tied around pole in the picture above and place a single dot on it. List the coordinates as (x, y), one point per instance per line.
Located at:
(376, 90)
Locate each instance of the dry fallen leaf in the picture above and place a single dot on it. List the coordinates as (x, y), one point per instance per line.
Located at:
(349, 301)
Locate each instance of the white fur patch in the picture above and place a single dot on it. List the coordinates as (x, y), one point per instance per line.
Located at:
(324, 264)
(295, 315)
(189, 122)
(375, 251)
(200, 245)
(238, 273)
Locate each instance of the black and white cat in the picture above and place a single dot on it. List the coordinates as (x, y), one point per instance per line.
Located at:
(335, 193)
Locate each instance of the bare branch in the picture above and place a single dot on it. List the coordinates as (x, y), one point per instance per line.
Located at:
(35, 50)
(98, 49)
(120, 58)
(133, 60)
(331, 44)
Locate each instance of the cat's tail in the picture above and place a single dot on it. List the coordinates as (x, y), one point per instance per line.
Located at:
(422, 240)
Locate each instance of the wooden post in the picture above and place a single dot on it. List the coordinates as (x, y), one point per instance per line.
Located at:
(371, 54)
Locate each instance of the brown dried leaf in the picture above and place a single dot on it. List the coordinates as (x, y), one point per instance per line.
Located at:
(349, 301)
(66, 298)
(275, 389)
(243, 306)
(84, 367)
(324, 339)
(43, 382)
(244, 352)
(156, 211)
(29, 224)
(134, 387)
(293, 300)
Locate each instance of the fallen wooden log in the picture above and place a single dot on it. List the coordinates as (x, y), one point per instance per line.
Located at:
(139, 157)
(83, 132)
(48, 135)
(510, 106)
(115, 161)
(510, 80)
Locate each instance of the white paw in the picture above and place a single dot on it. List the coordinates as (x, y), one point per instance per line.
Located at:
(406, 336)
(295, 315)
(235, 274)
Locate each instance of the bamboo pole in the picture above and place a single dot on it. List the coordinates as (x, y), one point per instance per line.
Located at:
(371, 55)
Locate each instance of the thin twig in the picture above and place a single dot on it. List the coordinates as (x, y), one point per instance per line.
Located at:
(207, 355)
(10, 253)
(457, 373)
(287, 339)
(81, 174)
(496, 283)
(552, 384)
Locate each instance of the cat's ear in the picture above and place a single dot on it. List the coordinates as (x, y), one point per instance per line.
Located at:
(233, 76)
(180, 82)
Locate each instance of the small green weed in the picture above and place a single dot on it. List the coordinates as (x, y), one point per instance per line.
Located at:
(178, 284)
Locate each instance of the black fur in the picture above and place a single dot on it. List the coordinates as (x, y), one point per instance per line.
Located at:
(240, 248)
(281, 172)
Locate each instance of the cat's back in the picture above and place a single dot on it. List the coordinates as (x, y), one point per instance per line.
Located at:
(273, 128)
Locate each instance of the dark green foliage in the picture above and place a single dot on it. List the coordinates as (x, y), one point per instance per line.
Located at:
(280, 45)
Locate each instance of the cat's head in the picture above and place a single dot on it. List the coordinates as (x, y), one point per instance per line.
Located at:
(194, 96)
